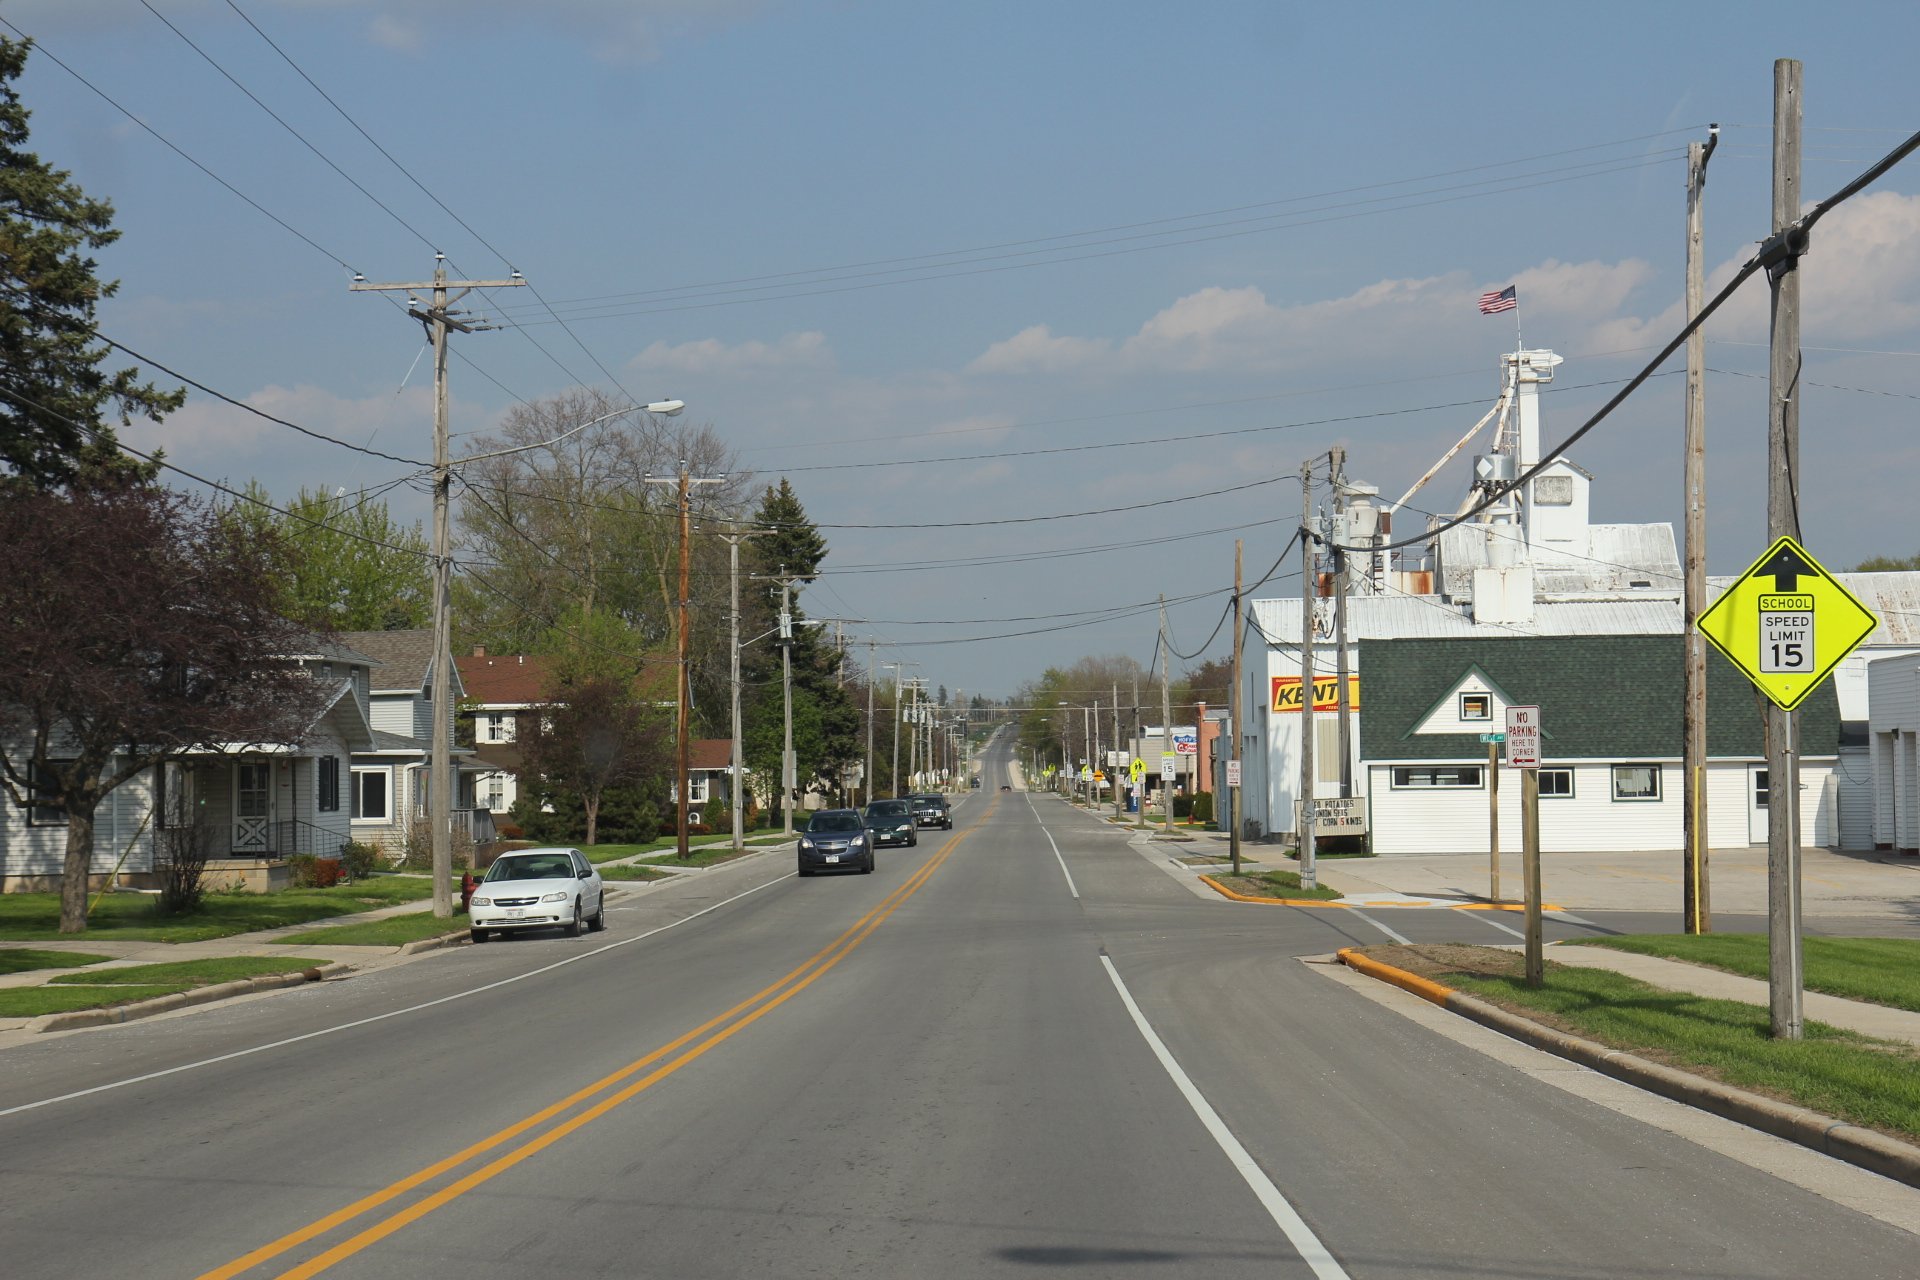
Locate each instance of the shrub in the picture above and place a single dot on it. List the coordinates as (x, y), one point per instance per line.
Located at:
(1182, 805)
(508, 830)
(699, 829)
(1203, 806)
(183, 877)
(417, 849)
(361, 860)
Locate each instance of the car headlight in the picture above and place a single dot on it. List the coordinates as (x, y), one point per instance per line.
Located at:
(554, 897)
(481, 902)
(806, 842)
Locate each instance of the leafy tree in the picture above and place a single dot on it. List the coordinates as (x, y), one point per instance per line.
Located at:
(56, 396)
(347, 565)
(135, 624)
(1888, 564)
(600, 738)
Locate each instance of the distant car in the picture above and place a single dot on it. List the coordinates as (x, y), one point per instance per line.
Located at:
(974, 783)
(931, 811)
(538, 889)
(836, 840)
(891, 822)
(1005, 787)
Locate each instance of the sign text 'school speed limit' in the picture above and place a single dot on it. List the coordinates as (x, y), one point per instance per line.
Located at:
(1786, 623)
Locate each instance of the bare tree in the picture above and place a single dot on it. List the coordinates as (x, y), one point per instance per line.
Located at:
(135, 625)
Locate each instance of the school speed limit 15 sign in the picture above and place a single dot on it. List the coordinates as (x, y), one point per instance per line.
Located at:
(1786, 623)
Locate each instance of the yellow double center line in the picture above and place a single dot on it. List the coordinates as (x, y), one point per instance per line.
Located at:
(715, 1031)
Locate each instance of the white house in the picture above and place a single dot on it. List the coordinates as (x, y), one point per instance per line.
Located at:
(253, 804)
(388, 791)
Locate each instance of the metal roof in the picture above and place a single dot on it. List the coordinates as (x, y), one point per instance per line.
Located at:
(1406, 617)
(1615, 558)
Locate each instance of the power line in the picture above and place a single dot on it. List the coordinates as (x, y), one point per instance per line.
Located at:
(841, 271)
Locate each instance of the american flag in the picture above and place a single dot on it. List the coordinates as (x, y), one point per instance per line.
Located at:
(1496, 300)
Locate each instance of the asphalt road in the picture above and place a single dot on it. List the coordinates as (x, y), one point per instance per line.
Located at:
(1019, 1048)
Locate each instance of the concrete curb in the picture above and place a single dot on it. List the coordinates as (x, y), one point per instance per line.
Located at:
(184, 999)
(1866, 1148)
(1225, 892)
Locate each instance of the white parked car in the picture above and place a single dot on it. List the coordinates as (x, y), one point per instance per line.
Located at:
(538, 889)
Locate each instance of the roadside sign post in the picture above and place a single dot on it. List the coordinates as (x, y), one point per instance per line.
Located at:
(1523, 753)
(1137, 771)
(1786, 623)
(1493, 741)
(1169, 770)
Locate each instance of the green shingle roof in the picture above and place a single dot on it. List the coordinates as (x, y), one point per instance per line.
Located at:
(1600, 698)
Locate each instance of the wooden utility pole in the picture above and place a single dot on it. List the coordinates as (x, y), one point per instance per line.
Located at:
(873, 678)
(1785, 978)
(1238, 700)
(1493, 820)
(893, 779)
(1309, 872)
(1694, 895)
(1530, 863)
(1342, 700)
(1113, 774)
(1166, 715)
(438, 318)
(683, 687)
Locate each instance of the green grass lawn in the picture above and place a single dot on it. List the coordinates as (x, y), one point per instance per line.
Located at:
(1880, 970)
(1276, 884)
(628, 871)
(697, 856)
(24, 959)
(195, 973)
(389, 931)
(598, 853)
(31, 1002)
(1838, 1073)
(35, 917)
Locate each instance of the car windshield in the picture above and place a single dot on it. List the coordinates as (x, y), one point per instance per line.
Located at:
(835, 820)
(928, 802)
(532, 866)
(887, 809)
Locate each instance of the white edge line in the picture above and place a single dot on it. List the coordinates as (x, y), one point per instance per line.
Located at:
(1486, 917)
(382, 1017)
(1397, 937)
(1071, 887)
(1298, 1233)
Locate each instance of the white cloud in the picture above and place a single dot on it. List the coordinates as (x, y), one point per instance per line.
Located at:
(706, 356)
(390, 31)
(1037, 350)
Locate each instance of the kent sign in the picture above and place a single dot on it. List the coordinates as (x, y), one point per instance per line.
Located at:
(1326, 693)
(1786, 623)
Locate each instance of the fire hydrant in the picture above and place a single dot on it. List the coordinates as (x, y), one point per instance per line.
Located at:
(467, 885)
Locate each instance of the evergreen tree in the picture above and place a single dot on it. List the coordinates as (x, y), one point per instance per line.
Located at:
(826, 723)
(55, 397)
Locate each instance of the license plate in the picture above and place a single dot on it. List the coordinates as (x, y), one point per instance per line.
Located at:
(516, 911)
(833, 857)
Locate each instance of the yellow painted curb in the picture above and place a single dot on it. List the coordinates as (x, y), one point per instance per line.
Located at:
(1425, 988)
(1225, 892)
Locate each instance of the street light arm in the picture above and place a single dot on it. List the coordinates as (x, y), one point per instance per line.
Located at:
(658, 406)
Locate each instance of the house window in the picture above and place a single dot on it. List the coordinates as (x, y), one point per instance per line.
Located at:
(697, 788)
(1429, 776)
(1636, 782)
(1556, 784)
(496, 726)
(496, 792)
(44, 811)
(328, 799)
(1762, 789)
(372, 792)
(1476, 706)
(179, 794)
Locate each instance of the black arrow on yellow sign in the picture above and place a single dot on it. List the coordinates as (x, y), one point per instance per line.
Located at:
(1786, 567)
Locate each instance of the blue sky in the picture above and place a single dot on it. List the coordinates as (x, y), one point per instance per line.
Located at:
(1155, 220)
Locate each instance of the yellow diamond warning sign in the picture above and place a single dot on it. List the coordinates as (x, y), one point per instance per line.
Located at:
(1786, 622)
